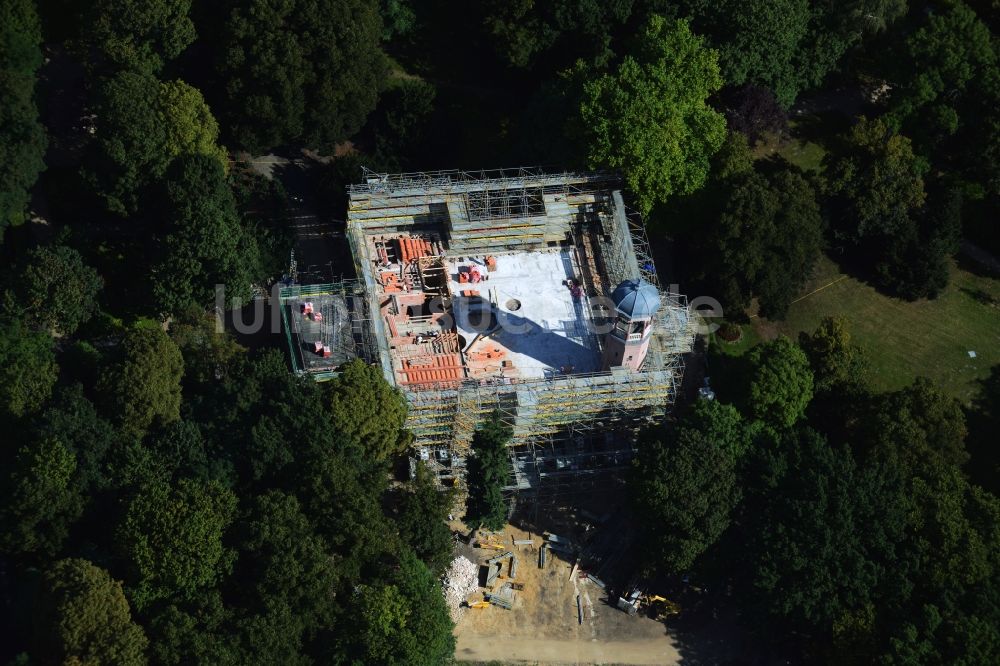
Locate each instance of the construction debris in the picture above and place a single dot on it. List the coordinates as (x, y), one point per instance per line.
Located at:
(596, 581)
(495, 565)
(504, 598)
(458, 583)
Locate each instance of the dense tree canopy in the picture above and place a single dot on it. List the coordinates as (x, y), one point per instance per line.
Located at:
(422, 514)
(207, 348)
(41, 499)
(143, 384)
(56, 290)
(294, 574)
(305, 71)
(814, 543)
(781, 385)
(524, 30)
(650, 119)
(763, 241)
(173, 539)
(22, 137)
(28, 369)
(206, 245)
(685, 487)
(142, 125)
(763, 42)
(368, 412)
(488, 473)
(951, 53)
(83, 617)
(789, 46)
(256, 515)
(399, 621)
(73, 420)
(879, 179)
(139, 34)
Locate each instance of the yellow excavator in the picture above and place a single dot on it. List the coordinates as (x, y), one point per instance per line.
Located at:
(479, 604)
(660, 608)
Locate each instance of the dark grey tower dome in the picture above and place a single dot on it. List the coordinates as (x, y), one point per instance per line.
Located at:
(636, 299)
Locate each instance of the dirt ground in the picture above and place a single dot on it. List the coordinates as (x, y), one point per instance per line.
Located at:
(543, 626)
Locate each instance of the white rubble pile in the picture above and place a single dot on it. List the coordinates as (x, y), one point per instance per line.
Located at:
(461, 580)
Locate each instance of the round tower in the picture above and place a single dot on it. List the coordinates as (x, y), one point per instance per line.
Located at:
(636, 303)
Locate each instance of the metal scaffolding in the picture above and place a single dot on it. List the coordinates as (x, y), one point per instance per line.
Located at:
(568, 428)
(346, 325)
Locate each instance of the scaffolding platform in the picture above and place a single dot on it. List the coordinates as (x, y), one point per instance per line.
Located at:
(488, 292)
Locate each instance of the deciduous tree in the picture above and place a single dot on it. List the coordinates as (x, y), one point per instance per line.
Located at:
(914, 262)
(919, 424)
(836, 362)
(816, 538)
(82, 616)
(951, 52)
(141, 35)
(650, 118)
(526, 31)
(305, 71)
(423, 510)
(368, 413)
(879, 181)
(22, 136)
(57, 290)
(208, 349)
(685, 485)
(173, 539)
(781, 383)
(290, 574)
(488, 473)
(40, 499)
(72, 419)
(205, 242)
(400, 621)
(764, 235)
(142, 125)
(28, 369)
(754, 111)
(762, 42)
(143, 385)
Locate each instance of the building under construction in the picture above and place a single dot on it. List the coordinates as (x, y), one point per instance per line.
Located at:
(528, 294)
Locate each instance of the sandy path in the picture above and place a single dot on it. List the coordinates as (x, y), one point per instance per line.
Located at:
(471, 647)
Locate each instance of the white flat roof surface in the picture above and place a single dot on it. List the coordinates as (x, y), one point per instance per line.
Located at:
(550, 331)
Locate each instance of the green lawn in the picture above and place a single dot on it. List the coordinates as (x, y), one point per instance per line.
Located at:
(905, 340)
(803, 153)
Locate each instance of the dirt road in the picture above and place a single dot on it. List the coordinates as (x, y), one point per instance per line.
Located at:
(659, 651)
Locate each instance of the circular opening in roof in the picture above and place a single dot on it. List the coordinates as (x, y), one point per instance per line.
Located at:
(513, 305)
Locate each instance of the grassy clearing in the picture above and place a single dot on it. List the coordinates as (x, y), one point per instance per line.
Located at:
(905, 340)
(803, 153)
(749, 339)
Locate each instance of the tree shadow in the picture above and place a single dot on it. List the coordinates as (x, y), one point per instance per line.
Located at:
(983, 419)
(606, 539)
(980, 296)
(967, 263)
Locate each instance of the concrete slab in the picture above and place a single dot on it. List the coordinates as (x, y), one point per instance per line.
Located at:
(543, 328)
